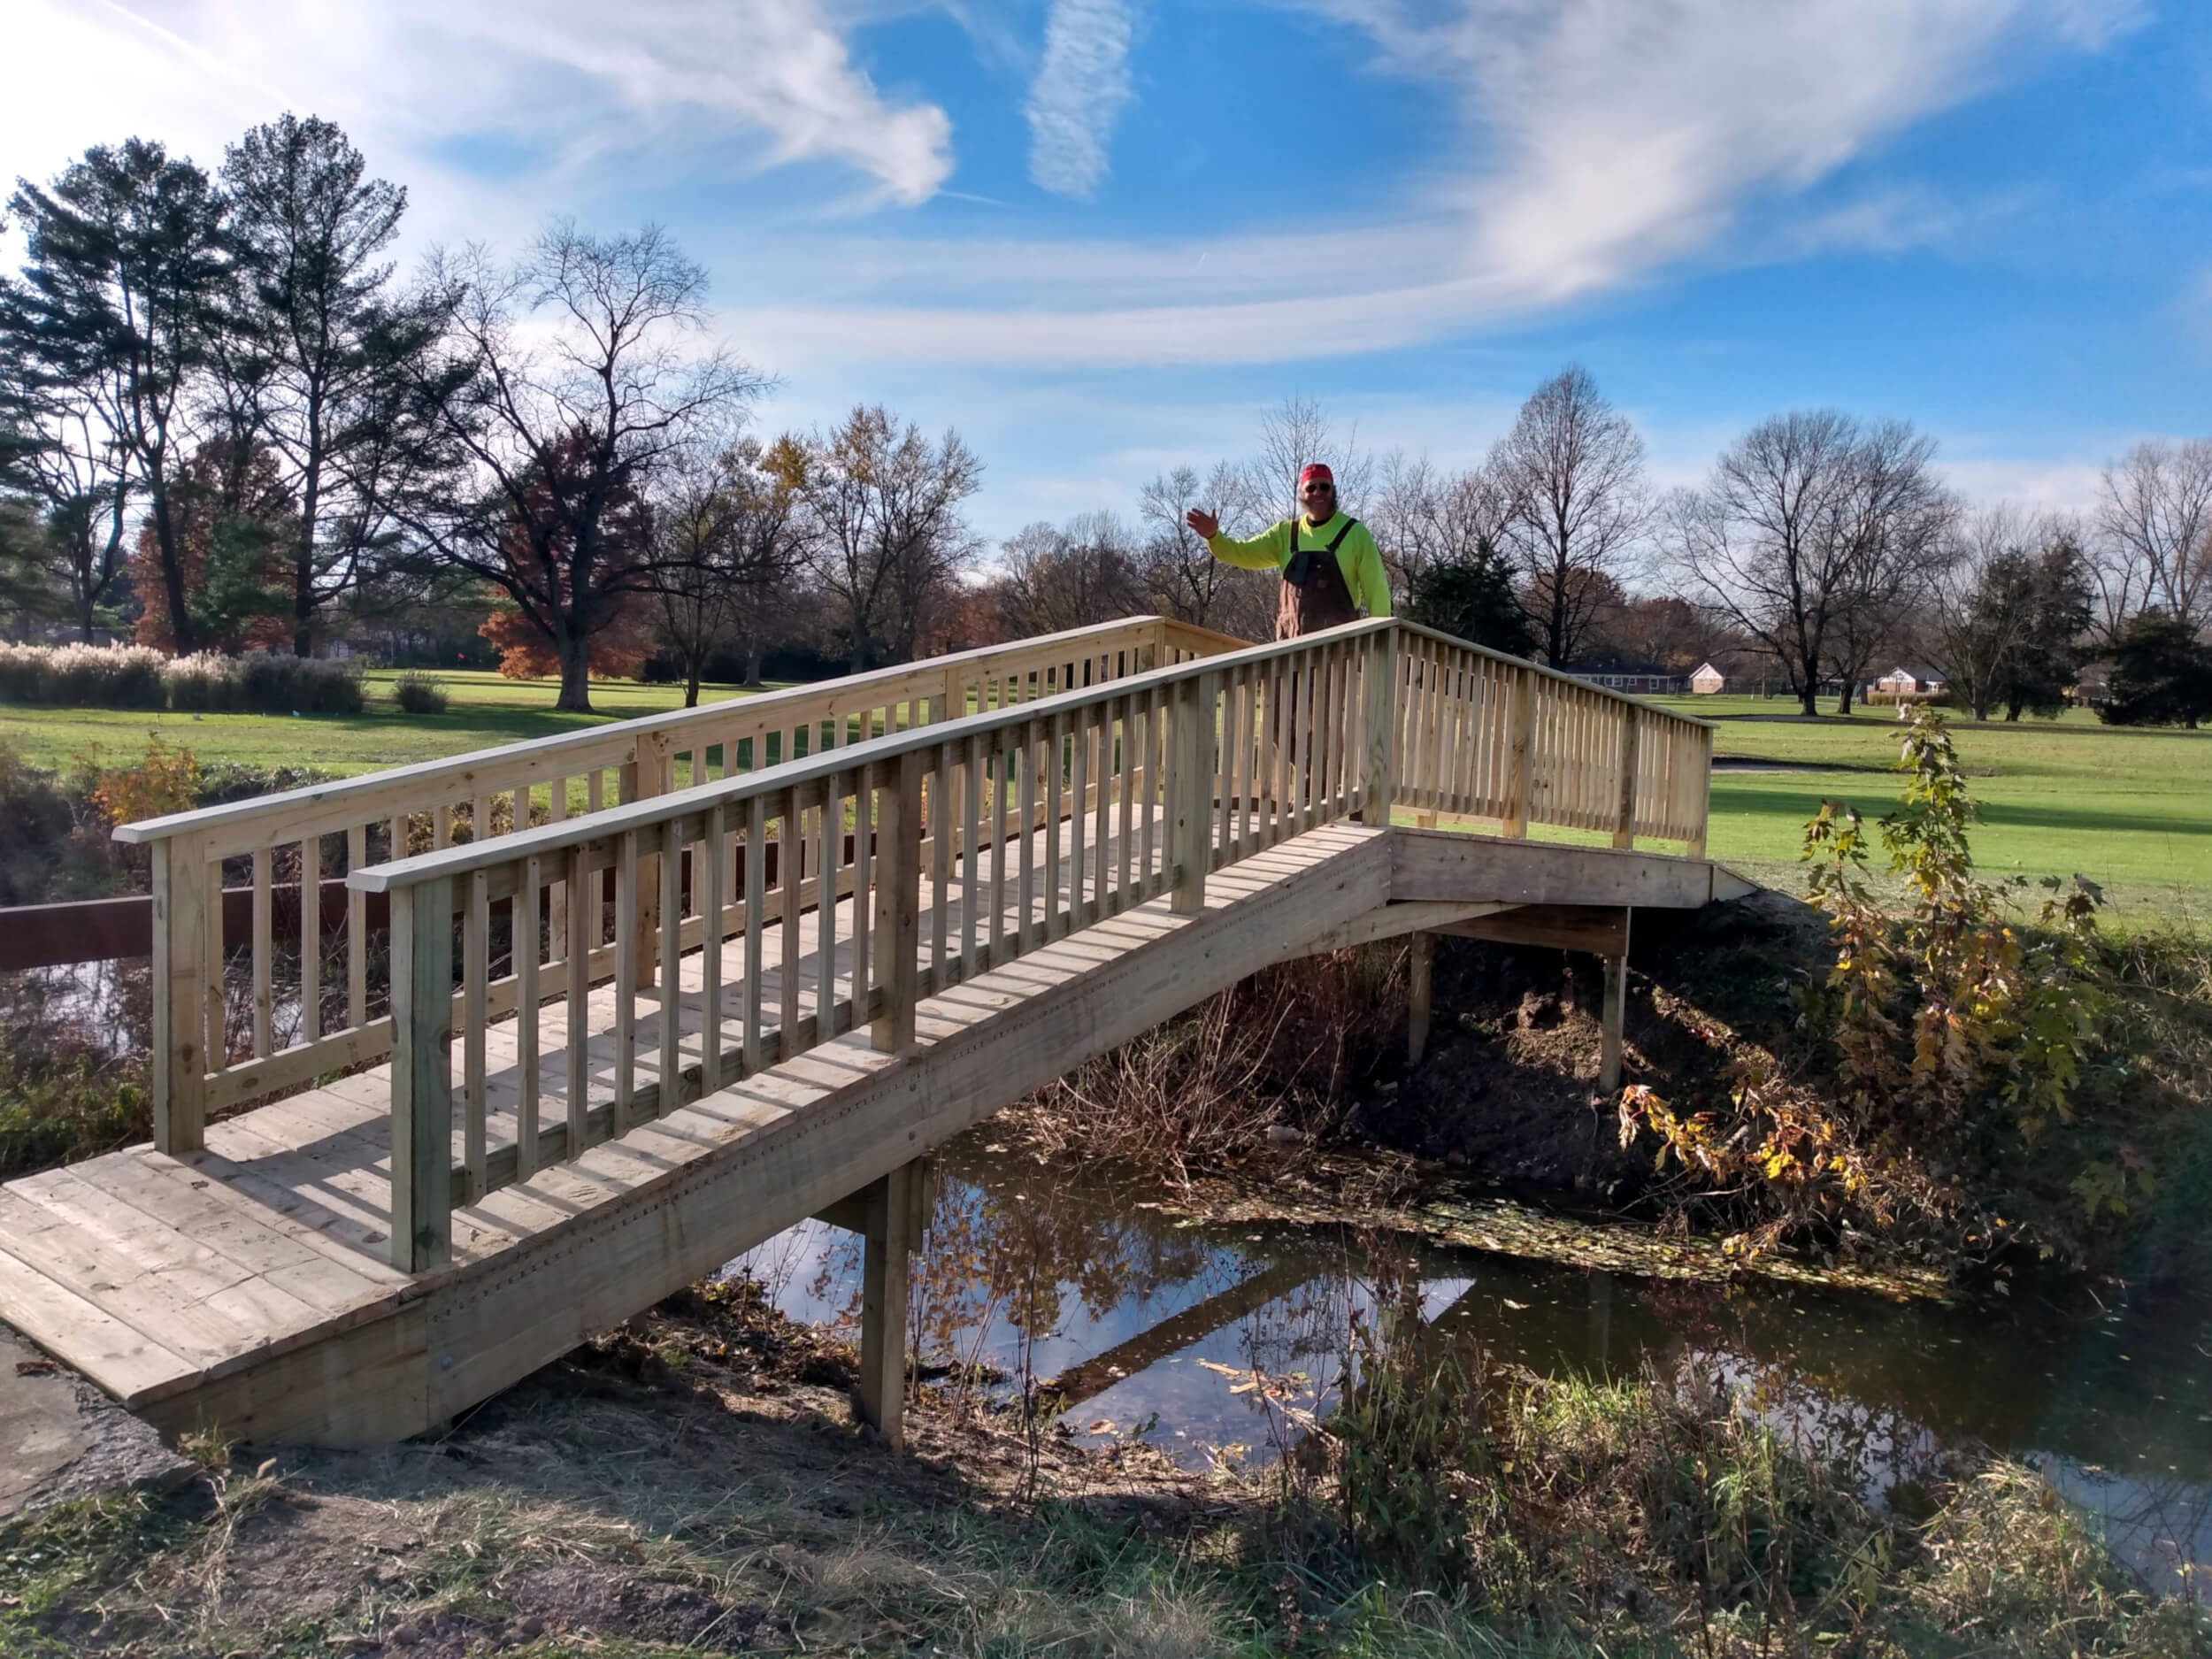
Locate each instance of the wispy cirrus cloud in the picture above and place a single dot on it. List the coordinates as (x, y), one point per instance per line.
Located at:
(1080, 89)
(567, 89)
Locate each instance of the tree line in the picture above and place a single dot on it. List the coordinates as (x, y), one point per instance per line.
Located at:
(224, 411)
(228, 421)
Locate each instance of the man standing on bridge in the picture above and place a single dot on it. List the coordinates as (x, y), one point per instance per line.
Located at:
(1332, 573)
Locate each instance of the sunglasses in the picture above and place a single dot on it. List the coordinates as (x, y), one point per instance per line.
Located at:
(1317, 489)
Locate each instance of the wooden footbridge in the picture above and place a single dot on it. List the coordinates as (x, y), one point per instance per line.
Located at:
(535, 1036)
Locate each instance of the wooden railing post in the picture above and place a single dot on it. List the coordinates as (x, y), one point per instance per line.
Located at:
(422, 1075)
(647, 772)
(895, 1213)
(1696, 848)
(1522, 718)
(181, 993)
(1190, 776)
(898, 900)
(1625, 823)
(1379, 722)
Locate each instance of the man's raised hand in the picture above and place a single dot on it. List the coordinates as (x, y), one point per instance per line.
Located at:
(1205, 523)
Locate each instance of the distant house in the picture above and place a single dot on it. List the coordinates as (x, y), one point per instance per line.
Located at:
(1647, 680)
(1908, 682)
(1708, 680)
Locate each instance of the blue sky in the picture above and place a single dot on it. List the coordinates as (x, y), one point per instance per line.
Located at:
(1101, 236)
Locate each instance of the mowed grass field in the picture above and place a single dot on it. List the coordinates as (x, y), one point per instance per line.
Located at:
(2130, 810)
(483, 711)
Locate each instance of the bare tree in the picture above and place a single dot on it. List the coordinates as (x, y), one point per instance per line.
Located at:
(1570, 476)
(563, 392)
(2155, 531)
(1759, 542)
(1423, 518)
(64, 462)
(1084, 573)
(1295, 434)
(1892, 522)
(726, 516)
(886, 538)
(1184, 580)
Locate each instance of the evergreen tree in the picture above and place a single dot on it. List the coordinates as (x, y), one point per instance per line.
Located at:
(1473, 599)
(2162, 673)
(116, 303)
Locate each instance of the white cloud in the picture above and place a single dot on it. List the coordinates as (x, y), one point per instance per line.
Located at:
(569, 87)
(1081, 88)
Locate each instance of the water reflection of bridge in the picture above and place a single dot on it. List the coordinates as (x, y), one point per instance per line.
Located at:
(770, 953)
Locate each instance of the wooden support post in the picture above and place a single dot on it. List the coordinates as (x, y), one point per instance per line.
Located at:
(898, 907)
(894, 1214)
(1624, 820)
(1616, 1017)
(1420, 982)
(648, 772)
(1190, 789)
(1379, 724)
(422, 1076)
(180, 957)
(1522, 715)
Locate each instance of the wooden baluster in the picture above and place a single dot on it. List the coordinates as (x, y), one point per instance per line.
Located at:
(830, 827)
(790, 864)
(1155, 803)
(755, 892)
(476, 932)
(312, 938)
(707, 891)
(180, 988)
(938, 826)
(1701, 768)
(670, 1094)
(1002, 787)
(1079, 811)
(864, 791)
(1101, 748)
(1624, 827)
(1031, 744)
(557, 927)
(356, 931)
(898, 908)
(264, 949)
(422, 1076)
(1126, 772)
(625, 979)
(481, 820)
(583, 932)
(214, 974)
(524, 932)
(970, 853)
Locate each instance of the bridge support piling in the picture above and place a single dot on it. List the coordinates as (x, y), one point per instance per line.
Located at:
(895, 1211)
(1616, 1016)
(1419, 978)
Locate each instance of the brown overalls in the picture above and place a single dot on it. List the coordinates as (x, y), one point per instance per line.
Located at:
(1314, 595)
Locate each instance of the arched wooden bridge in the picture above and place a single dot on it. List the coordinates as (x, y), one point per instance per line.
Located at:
(803, 938)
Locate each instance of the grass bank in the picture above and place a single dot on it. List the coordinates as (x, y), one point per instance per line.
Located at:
(2126, 807)
(695, 1483)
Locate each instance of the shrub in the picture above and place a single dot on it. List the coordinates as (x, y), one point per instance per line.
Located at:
(418, 693)
(297, 685)
(86, 676)
(200, 683)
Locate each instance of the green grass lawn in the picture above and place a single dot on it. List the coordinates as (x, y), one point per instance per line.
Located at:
(2130, 808)
(484, 710)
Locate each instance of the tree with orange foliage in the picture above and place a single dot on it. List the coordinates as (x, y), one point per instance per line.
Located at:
(527, 652)
(230, 517)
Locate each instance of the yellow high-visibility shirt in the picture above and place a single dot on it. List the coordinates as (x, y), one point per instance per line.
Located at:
(1357, 556)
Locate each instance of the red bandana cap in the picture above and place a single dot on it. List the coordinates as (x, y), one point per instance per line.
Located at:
(1317, 471)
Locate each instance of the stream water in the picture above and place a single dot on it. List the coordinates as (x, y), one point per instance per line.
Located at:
(1155, 1326)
